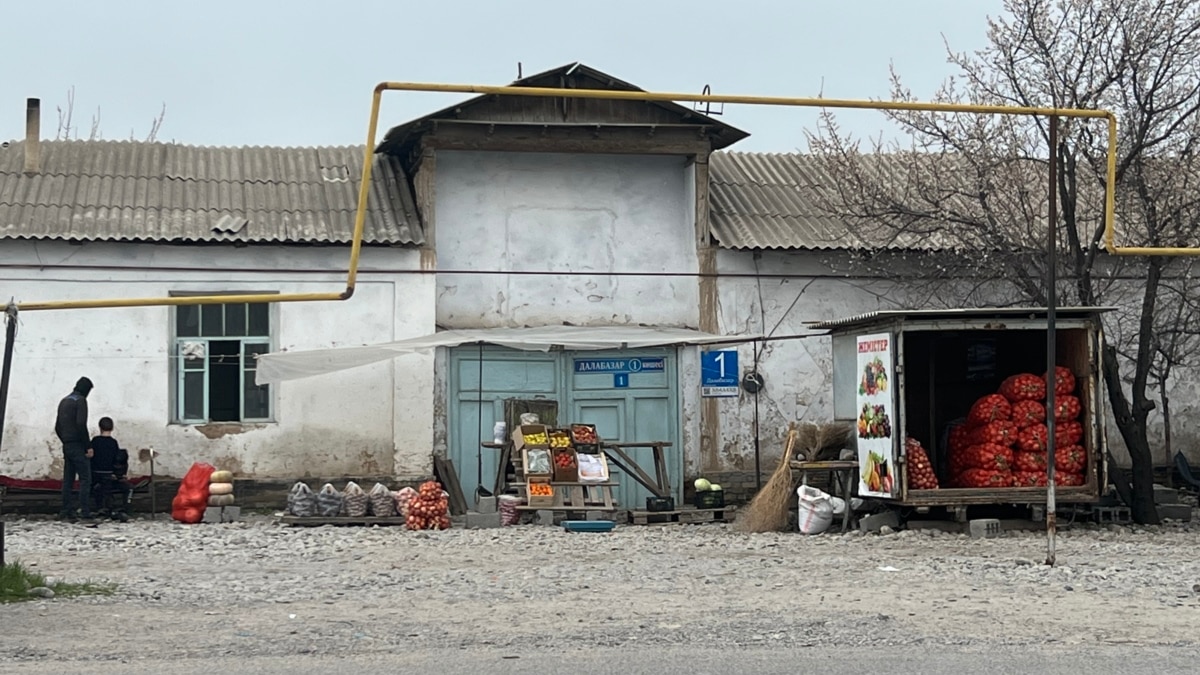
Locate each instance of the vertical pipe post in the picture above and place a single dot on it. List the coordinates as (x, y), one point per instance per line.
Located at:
(757, 446)
(10, 338)
(1051, 344)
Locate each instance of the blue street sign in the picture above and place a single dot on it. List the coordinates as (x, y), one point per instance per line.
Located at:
(655, 364)
(719, 373)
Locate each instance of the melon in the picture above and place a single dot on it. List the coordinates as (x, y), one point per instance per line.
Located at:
(220, 500)
(220, 489)
(221, 477)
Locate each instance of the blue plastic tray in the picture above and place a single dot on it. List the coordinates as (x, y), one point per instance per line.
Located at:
(588, 525)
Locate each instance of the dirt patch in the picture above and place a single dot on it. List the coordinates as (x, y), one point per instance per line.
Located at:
(369, 463)
(214, 431)
(230, 463)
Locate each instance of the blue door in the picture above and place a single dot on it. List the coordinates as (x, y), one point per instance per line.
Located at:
(631, 396)
(639, 405)
(506, 373)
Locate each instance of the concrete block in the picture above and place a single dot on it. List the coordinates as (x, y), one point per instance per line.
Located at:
(482, 521)
(485, 505)
(877, 521)
(222, 514)
(1181, 512)
(984, 528)
(599, 515)
(1165, 495)
(544, 517)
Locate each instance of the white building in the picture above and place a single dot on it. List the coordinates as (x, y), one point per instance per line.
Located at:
(474, 209)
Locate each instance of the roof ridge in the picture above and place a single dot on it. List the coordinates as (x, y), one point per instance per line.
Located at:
(171, 144)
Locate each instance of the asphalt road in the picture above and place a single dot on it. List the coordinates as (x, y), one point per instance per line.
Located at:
(680, 660)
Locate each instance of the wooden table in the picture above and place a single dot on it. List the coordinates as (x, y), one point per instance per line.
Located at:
(659, 484)
(843, 473)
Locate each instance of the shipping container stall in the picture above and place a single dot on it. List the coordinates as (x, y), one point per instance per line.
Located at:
(949, 406)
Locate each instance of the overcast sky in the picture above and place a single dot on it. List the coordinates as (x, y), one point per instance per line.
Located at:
(269, 72)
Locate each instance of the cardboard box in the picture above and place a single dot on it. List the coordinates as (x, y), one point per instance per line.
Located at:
(539, 468)
(567, 474)
(541, 499)
(521, 433)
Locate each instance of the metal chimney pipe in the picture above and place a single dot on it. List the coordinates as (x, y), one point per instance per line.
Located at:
(33, 135)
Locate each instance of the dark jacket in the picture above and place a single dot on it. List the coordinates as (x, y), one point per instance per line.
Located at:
(71, 425)
(108, 456)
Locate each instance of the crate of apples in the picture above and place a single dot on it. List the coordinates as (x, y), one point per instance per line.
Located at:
(584, 434)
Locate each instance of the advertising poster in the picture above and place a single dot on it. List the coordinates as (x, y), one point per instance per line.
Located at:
(876, 417)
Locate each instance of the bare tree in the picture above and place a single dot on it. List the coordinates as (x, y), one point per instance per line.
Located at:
(978, 183)
(67, 130)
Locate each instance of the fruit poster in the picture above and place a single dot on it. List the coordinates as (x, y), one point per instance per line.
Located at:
(876, 417)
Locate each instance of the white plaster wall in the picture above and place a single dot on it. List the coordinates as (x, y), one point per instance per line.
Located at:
(798, 373)
(371, 420)
(569, 213)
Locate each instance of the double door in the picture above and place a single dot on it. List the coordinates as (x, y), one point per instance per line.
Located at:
(630, 397)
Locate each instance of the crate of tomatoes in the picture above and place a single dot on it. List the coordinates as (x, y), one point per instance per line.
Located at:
(566, 465)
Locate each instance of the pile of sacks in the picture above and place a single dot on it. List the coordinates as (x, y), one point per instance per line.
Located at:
(328, 502)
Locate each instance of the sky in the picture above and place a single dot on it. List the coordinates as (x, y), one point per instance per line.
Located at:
(301, 73)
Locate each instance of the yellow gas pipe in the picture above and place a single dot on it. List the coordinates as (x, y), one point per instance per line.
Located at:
(368, 153)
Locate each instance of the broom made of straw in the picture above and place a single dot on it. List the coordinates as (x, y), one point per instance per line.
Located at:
(768, 511)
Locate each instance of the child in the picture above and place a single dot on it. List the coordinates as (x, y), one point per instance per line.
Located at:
(110, 463)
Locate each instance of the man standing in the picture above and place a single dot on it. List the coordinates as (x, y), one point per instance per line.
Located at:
(72, 430)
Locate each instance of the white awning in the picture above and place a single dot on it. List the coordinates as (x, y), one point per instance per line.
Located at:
(282, 366)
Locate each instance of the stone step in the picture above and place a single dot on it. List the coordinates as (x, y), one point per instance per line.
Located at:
(1165, 495)
(1180, 512)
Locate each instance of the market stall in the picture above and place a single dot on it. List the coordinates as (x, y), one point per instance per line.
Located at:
(949, 405)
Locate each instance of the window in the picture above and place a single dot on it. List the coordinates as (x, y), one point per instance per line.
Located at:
(215, 348)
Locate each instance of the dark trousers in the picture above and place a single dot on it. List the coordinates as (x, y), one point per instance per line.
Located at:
(104, 486)
(76, 465)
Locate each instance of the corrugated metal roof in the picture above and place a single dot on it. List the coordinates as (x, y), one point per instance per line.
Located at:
(971, 313)
(400, 136)
(159, 192)
(775, 201)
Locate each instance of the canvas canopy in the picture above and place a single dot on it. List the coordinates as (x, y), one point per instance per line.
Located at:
(282, 366)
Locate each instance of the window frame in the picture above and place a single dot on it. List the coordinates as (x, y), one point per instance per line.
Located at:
(178, 372)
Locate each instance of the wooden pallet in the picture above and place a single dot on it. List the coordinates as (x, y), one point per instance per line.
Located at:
(575, 497)
(317, 521)
(682, 516)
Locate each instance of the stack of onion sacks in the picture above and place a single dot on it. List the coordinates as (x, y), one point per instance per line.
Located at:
(430, 509)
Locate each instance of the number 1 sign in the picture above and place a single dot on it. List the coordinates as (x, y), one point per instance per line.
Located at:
(719, 373)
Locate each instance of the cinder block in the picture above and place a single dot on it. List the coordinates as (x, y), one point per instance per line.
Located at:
(877, 521)
(222, 514)
(482, 521)
(984, 528)
(1165, 495)
(485, 505)
(544, 517)
(1181, 512)
(599, 515)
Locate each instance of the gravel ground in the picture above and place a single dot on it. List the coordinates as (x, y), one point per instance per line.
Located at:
(257, 589)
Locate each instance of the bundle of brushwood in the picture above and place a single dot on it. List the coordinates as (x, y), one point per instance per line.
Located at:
(812, 442)
(822, 441)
